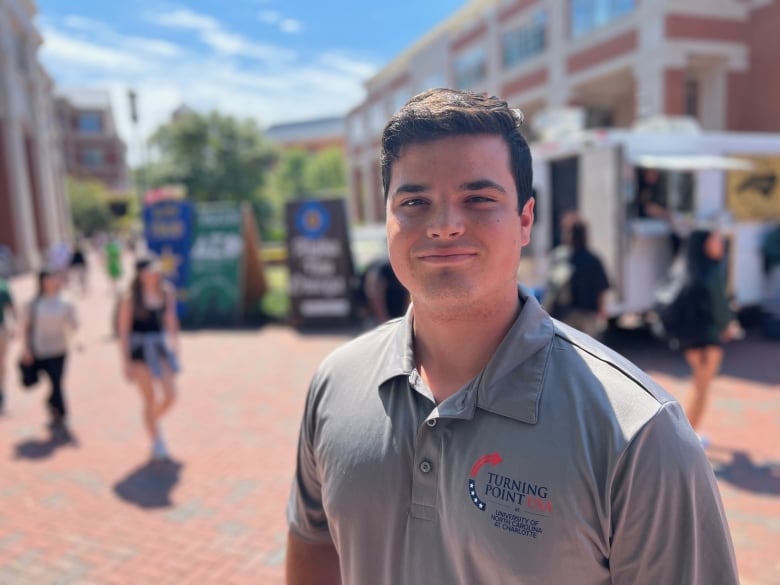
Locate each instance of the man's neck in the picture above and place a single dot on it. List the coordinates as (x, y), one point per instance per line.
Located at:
(452, 348)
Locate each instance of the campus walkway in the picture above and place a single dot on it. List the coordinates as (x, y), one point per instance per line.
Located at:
(94, 510)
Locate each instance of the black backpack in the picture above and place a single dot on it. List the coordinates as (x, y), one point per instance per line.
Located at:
(681, 309)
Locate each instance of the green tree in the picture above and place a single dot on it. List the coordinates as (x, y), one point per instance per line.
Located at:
(290, 174)
(215, 157)
(325, 172)
(89, 206)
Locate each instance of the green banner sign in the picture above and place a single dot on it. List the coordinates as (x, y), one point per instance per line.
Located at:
(214, 291)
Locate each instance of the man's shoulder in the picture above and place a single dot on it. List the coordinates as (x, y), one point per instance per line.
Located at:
(369, 351)
(615, 378)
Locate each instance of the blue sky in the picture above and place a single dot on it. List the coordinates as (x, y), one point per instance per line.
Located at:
(272, 60)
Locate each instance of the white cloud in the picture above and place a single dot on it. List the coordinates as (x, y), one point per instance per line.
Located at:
(214, 35)
(183, 18)
(101, 33)
(290, 26)
(213, 76)
(274, 18)
(68, 49)
(269, 16)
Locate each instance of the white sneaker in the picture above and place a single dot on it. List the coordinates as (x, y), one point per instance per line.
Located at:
(159, 449)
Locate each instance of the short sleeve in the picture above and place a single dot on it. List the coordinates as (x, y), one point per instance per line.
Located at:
(668, 522)
(305, 513)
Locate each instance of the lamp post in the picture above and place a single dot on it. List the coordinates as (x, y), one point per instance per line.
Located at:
(132, 97)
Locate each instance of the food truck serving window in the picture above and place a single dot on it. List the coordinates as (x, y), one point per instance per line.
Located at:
(658, 192)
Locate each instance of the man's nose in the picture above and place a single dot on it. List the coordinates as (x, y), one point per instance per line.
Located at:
(446, 222)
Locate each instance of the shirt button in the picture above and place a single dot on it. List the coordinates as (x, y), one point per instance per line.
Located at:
(425, 466)
(431, 422)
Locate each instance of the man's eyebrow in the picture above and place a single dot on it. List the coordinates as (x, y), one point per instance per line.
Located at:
(481, 184)
(410, 188)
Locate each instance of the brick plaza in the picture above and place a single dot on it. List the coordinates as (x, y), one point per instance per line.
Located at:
(93, 509)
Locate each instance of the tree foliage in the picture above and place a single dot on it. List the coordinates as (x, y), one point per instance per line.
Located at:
(301, 174)
(89, 206)
(214, 156)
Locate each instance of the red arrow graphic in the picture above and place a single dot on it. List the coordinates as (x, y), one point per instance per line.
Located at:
(492, 459)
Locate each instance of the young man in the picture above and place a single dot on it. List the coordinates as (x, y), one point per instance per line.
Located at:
(476, 440)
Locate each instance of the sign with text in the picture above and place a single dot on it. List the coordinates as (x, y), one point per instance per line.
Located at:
(168, 227)
(214, 293)
(320, 262)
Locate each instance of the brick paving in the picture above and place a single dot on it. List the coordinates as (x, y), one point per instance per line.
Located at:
(94, 510)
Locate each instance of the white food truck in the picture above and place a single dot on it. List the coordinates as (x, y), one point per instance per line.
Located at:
(726, 178)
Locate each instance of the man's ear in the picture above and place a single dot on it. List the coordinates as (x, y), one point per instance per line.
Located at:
(527, 214)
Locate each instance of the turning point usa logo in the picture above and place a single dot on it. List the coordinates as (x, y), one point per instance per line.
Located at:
(518, 506)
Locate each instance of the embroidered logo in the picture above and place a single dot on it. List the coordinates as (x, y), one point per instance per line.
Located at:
(517, 506)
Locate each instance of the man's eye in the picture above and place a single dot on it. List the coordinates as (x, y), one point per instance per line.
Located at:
(480, 199)
(413, 202)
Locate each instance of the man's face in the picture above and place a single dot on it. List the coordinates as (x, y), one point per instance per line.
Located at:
(453, 230)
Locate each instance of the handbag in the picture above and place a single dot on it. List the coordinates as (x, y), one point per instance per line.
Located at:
(28, 372)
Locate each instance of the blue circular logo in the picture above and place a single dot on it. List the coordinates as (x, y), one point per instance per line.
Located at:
(313, 219)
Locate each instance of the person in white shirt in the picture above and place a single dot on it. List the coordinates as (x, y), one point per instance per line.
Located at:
(50, 321)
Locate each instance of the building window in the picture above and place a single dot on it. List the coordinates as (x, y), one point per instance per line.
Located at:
(400, 97)
(93, 158)
(598, 117)
(20, 48)
(587, 15)
(377, 118)
(89, 123)
(470, 68)
(523, 42)
(691, 97)
(357, 128)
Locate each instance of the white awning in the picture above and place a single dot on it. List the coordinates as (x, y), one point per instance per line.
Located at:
(693, 162)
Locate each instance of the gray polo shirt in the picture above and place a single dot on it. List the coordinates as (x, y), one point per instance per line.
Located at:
(560, 463)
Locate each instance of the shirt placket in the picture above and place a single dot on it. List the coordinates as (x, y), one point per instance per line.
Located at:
(427, 458)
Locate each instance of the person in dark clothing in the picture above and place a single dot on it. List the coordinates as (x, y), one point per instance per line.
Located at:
(385, 296)
(578, 282)
(78, 265)
(708, 310)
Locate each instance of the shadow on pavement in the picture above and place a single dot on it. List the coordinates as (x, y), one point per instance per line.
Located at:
(40, 449)
(743, 473)
(150, 485)
(752, 358)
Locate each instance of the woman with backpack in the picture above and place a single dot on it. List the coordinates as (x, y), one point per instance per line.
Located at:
(711, 320)
(49, 324)
(148, 330)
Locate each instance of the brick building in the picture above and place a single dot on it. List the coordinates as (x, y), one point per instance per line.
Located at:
(617, 60)
(34, 210)
(91, 145)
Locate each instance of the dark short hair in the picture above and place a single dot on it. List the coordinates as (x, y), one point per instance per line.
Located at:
(440, 113)
(146, 261)
(579, 235)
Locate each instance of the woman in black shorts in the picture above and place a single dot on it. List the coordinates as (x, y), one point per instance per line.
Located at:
(148, 330)
(707, 307)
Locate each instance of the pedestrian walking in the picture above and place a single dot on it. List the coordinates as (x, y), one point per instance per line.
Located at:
(7, 321)
(709, 321)
(148, 330)
(50, 325)
(477, 440)
(578, 282)
(78, 265)
(113, 254)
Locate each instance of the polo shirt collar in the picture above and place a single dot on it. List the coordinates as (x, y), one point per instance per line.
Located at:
(511, 383)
